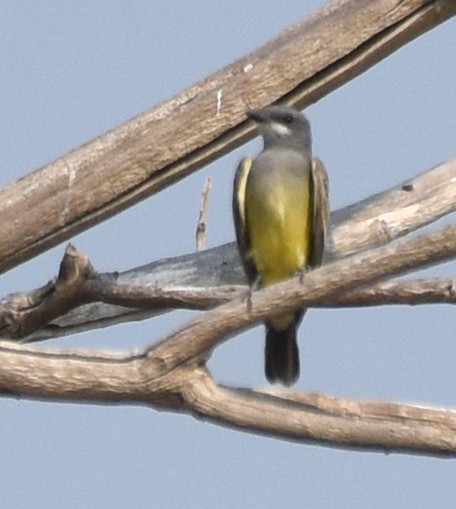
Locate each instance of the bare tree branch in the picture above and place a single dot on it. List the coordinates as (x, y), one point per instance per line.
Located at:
(34, 316)
(190, 281)
(309, 418)
(166, 143)
(397, 212)
(166, 375)
(325, 282)
(329, 280)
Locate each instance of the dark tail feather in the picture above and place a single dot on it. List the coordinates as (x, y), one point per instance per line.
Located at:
(282, 355)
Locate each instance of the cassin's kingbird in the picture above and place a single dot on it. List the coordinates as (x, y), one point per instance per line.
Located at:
(280, 208)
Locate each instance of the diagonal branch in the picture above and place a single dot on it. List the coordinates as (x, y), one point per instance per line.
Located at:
(179, 136)
(326, 282)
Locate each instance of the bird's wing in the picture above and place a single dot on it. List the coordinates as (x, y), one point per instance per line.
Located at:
(240, 183)
(321, 211)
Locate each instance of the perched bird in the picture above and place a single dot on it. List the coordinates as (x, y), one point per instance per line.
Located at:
(280, 209)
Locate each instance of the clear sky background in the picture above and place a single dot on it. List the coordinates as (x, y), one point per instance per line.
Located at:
(72, 70)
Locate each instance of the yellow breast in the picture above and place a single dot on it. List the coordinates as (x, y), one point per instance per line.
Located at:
(278, 220)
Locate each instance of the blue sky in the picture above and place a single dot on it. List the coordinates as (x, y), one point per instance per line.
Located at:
(72, 70)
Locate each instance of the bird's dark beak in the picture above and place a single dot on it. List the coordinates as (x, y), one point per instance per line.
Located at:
(257, 115)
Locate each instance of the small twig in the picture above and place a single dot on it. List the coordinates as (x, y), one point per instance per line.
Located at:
(202, 219)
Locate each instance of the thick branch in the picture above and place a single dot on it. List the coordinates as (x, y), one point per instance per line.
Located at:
(177, 137)
(101, 377)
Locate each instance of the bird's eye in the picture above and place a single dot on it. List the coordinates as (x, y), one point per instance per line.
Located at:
(288, 119)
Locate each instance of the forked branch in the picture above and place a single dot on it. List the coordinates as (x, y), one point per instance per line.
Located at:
(171, 374)
(170, 141)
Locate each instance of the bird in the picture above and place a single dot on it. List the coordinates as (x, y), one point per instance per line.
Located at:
(281, 216)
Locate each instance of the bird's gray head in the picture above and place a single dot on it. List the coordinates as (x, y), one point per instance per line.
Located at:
(282, 126)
